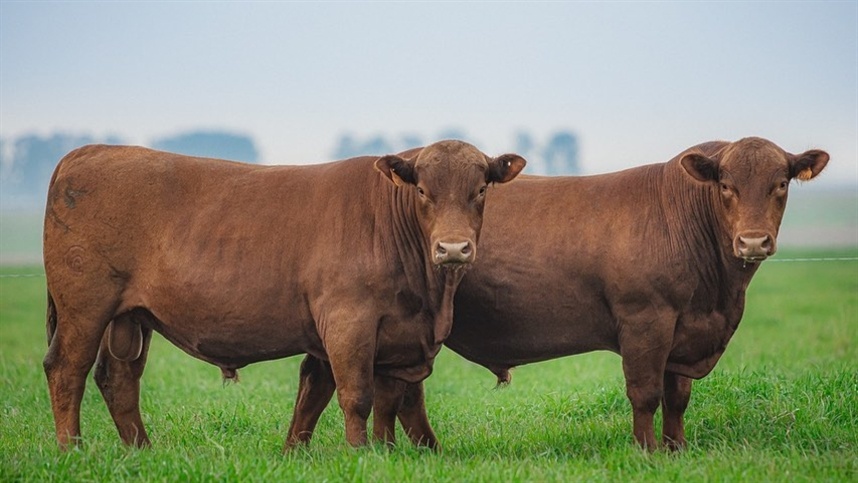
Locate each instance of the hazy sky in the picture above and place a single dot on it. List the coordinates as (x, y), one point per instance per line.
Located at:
(638, 82)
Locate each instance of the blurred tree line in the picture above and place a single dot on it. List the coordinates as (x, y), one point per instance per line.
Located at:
(557, 155)
(27, 162)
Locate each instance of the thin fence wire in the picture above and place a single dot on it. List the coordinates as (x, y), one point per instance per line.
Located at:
(830, 259)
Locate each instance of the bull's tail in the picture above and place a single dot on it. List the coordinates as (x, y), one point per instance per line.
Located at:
(504, 377)
(51, 318)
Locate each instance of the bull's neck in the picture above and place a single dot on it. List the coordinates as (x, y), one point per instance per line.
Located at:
(411, 245)
(696, 217)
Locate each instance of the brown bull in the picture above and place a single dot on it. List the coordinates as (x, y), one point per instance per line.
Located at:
(236, 264)
(651, 263)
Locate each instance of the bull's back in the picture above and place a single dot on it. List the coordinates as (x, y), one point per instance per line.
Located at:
(139, 204)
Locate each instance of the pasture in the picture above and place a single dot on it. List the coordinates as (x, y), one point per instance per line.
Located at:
(781, 405)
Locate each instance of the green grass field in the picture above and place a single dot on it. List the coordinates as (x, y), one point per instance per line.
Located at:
(781, 405)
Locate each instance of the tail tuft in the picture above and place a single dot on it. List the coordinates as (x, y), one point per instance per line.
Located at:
(230, 374)
(504, 377)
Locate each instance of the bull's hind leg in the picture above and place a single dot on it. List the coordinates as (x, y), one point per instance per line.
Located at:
(71, 353)
(677, 393)
(414, 418)
(315, 389)
(118, 369)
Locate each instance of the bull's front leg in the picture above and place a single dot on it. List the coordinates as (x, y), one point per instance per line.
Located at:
(351, 352)
(315, 389)
(645, 339)
(414, 418)
(355, 395)
(389, 393)
(677, 393)
(644, 390)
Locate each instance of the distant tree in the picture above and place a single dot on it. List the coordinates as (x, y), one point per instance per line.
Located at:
(561, 155)
(377, 145)
(346, 147)
(212, 144)
(524, 143)
(453, 133)
(408, 141)
(349, 147)
(524, 146)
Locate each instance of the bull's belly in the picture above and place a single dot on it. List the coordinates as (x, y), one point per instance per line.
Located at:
(511, 353)
(513, 339)
(230, 324)
(231, 340)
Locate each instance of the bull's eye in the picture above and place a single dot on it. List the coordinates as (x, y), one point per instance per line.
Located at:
(482, 191)
(784, 184)
(421, 192)
(725, 189)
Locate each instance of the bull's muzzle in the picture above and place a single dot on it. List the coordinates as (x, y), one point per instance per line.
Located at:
(754, 247)
(453, 252)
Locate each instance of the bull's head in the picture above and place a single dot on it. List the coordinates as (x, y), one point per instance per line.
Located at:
(450, 179)
(752, 176)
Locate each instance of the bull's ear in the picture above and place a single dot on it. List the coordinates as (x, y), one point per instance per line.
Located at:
(398, 170)
(807, 165)
(700, 167)
(504, 168)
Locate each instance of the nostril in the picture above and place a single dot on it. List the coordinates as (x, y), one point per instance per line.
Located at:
(767, 244)
(440, 250)
(466, 250)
